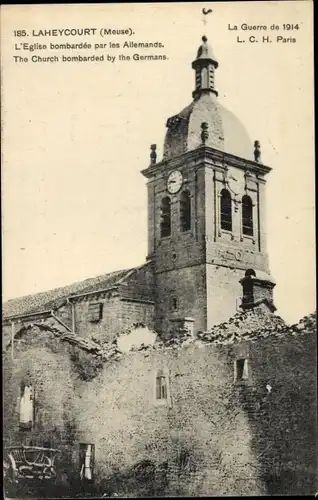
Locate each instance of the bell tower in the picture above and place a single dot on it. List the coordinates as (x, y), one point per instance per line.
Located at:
(204, 66)
(206, 210)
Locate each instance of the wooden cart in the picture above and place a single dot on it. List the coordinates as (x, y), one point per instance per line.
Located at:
(29, 462)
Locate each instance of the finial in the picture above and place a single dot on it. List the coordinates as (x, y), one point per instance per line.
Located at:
(204, 64)
(153, 154)
(257, 151)
(205, 12)
(204, 133)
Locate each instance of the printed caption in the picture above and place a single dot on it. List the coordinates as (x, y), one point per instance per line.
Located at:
(83, 45)
(275, 33)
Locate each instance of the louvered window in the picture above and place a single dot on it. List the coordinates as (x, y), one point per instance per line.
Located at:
(185, 211)
(226, 210)
(247, 215)
(165, 217)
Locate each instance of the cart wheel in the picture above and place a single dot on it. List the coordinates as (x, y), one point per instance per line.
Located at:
(49, 473)
(10, 472)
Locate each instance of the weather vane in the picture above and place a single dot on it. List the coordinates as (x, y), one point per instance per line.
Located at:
(205, 12)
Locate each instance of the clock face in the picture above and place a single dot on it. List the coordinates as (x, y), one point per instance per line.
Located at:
(174, 182)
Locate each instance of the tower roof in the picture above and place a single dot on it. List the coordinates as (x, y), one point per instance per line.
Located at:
(226, 132)
(205, 51)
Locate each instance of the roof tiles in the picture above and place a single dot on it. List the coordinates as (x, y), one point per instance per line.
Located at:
(53, 298)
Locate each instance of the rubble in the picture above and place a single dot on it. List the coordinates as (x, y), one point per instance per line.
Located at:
(250, 325)
(137, 337)
(253, 325)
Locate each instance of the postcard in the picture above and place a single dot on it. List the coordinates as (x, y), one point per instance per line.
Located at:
(159, 324)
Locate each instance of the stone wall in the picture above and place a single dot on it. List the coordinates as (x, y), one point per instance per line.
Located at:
(188, 287)
(119, 414)
(223, 293)
(140, 284)
(43, 361)
(214, 436)
(283, 422)
(117, 315)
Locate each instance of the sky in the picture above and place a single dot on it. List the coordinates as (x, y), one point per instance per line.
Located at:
(75, 136)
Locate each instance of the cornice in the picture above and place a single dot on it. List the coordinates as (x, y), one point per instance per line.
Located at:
(270, 304)
(20, 317)
(208, 157)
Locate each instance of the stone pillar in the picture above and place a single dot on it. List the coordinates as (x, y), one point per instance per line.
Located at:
(184, 324)
(257, 287)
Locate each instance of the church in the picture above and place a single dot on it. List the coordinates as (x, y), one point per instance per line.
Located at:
(175, 377)
(206, 228)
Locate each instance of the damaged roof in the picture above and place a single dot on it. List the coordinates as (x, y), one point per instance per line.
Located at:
(52, 298)
(254, 324)
(250, 325)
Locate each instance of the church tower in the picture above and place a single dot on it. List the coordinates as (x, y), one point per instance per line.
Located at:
(206, 210)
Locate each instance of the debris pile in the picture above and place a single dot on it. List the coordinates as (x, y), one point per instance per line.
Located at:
(248, 325)
(135, 338)
(58, 331)
(180, 337)
(308, 322)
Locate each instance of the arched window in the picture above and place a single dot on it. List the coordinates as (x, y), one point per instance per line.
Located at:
(161, 385)
(185, 211)
(247, 215)
(165, 213)
(226, 210)
(26, 406)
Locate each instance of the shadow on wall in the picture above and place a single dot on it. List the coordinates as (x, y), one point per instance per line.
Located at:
(146, 477)
(282, 415)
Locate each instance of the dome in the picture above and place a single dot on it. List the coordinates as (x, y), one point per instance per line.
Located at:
(226, 132)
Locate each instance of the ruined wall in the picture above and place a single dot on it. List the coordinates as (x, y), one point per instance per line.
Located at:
(283, 422)
(132, 302)
(43, 361)
(194, 439)
(117, 315)
(214, 436)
